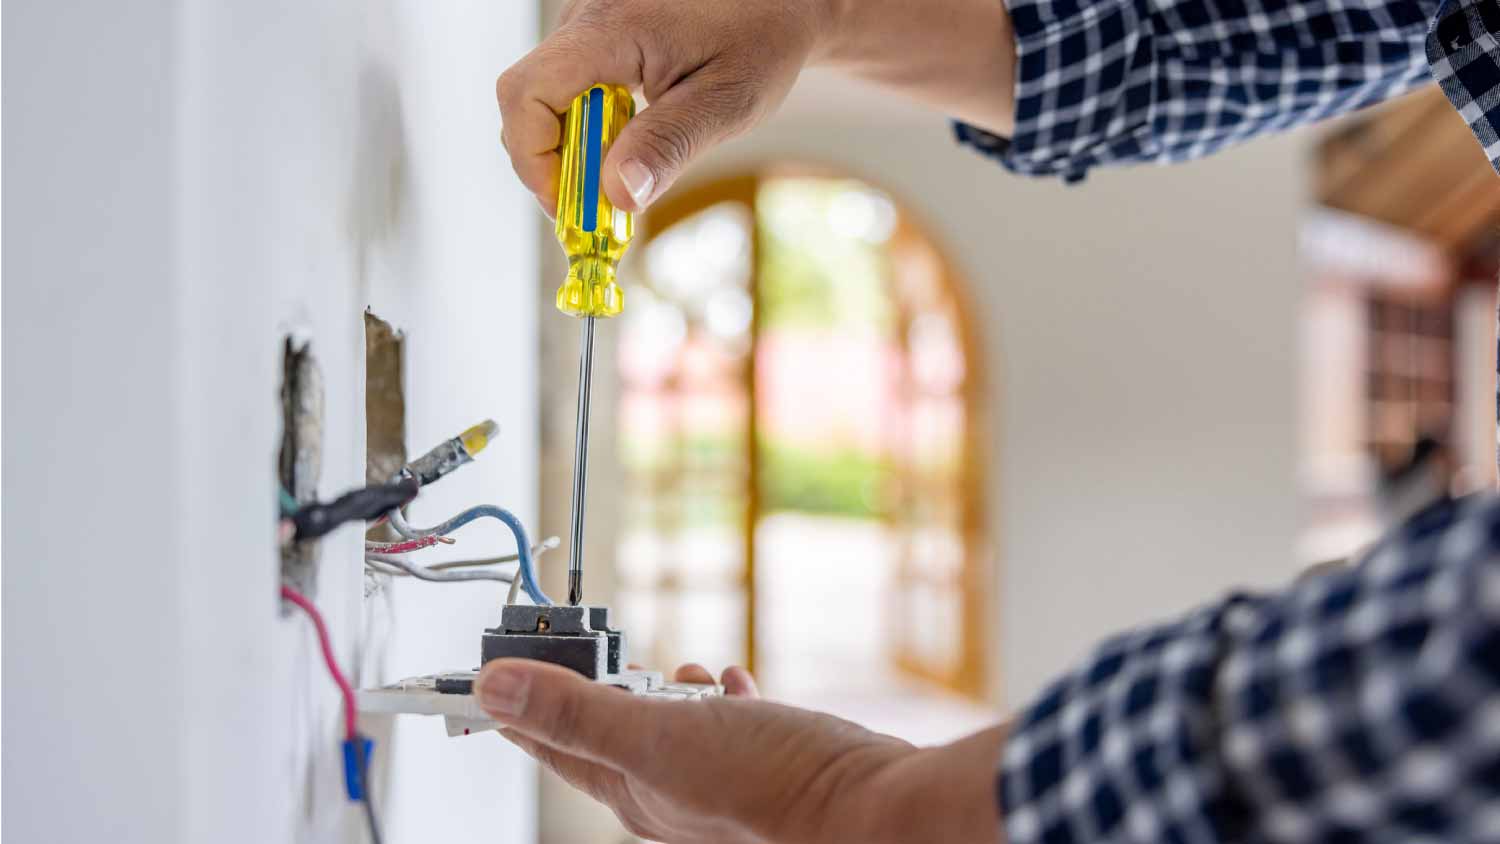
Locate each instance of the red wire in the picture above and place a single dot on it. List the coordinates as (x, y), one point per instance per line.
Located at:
(347, 690)
(407, 545)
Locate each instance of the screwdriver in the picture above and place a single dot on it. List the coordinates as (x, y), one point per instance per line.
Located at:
(594, 234)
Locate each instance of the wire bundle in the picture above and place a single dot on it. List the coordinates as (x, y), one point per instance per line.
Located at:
(304, 522)
(428, 469)
(526, 570)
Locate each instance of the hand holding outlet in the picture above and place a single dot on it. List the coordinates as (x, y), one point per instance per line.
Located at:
(739, 768)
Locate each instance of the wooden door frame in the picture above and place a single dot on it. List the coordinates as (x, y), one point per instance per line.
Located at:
(741, 186)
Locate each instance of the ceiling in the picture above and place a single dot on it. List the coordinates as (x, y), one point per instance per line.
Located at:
(1414, 164)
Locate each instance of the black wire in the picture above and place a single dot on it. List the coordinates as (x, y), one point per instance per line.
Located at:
(366, 787)
(315, 520)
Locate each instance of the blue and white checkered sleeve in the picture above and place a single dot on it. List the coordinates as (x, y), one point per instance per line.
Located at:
(1464, 50)
(1116, 81)
(1356, 706)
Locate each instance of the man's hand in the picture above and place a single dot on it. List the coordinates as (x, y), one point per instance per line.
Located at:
(711, 69)
(708, 69)
(741, 769)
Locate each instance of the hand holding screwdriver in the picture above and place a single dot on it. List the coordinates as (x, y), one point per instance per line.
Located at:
(712, 69)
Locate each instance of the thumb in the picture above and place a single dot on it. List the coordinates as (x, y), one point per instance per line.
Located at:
(561, 708)
(667, 135)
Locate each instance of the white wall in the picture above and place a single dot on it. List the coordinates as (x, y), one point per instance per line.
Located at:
(1140, 357)
(188, 182)
(87, 338)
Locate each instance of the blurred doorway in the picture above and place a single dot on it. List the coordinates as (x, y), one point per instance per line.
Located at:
(798, 438)
(1398, 395)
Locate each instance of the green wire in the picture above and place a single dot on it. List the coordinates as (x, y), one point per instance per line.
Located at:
(289, 504)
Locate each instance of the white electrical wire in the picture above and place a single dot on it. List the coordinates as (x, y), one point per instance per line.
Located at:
(401, 526)
(382, 568)
(424, 573)
(537, 550)
(376, 562)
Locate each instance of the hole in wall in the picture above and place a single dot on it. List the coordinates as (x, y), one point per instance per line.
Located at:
(385, 409)
(300, 460)
(385, 400)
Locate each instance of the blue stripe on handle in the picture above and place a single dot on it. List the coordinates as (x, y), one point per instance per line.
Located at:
(592, 145)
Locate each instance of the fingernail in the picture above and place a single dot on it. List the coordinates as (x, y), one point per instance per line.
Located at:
(638, 180)
(503, 692)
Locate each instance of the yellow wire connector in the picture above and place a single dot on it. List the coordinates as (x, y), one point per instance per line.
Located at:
(476, 438)
(592, 231)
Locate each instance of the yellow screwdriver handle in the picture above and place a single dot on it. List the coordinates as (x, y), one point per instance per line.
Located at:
(593, 232)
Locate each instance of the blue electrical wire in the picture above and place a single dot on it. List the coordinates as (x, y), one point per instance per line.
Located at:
(527, 568)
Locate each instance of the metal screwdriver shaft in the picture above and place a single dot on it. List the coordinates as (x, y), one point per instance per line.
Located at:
(580, 463)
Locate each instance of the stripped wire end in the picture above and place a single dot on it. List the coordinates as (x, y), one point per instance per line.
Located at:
(407, 545)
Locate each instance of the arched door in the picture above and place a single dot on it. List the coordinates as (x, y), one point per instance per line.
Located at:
(799, 440)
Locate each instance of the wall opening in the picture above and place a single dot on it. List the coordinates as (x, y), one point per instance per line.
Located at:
(300, 458)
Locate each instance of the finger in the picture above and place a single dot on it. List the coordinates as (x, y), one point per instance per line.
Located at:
(652, 150)
(531, 134)
(560, 708)
(540, 173)
(539, 87)
(693, 673)
(738, 682)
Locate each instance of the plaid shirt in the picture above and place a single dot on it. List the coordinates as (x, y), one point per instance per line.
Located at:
(1119, 81)
(1362, 705)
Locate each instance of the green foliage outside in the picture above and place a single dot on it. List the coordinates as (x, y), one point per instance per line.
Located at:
(847, 482)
